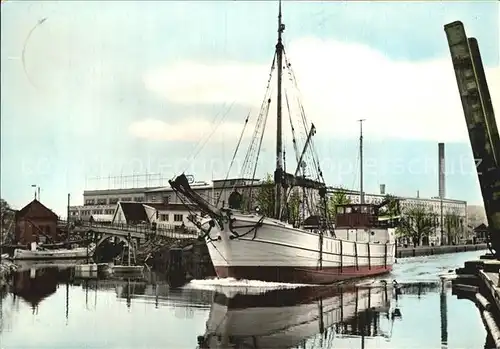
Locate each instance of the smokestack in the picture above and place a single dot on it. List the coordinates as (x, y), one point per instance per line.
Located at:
(382, 189)
(441, 167)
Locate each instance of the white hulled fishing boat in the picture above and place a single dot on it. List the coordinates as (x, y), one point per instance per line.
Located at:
(270, 246)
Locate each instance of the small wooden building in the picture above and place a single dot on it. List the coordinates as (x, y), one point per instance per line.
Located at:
(35, 223)
(481, 233)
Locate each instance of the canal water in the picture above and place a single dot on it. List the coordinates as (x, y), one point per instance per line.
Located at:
(51, 308)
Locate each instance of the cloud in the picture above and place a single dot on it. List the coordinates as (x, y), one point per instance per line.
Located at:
(191, 129)
(339, 83)
(194, 82)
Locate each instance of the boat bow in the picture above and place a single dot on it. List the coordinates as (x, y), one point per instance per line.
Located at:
(181, 185)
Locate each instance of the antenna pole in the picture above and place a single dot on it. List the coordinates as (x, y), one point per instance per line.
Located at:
(278, 175)
(361, 192)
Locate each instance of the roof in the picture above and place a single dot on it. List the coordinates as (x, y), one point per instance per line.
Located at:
(159, 189)
(169, 207)
(237, 179)
(102, 217)
(117, 191)
(134, 211)
(481, 227)
(26, 209)
(195, 185)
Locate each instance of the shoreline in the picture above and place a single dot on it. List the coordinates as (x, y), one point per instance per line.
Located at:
(407, 252)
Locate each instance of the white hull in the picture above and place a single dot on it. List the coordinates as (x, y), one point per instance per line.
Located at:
(27, 264)
(268, 326)
(276, 247)
(75, 253)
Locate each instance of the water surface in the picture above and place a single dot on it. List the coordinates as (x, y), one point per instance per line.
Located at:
(50, 308)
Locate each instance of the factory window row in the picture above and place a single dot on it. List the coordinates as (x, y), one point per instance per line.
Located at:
(112, 201)
(91, 212)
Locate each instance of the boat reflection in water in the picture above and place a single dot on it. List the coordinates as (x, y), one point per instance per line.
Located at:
(287, 318)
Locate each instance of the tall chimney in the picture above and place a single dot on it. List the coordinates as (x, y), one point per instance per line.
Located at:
(382, 189)
(441, 167)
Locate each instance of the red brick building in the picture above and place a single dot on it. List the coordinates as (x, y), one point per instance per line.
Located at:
(35, 223)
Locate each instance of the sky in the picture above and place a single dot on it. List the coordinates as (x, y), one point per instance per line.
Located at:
(113, 89)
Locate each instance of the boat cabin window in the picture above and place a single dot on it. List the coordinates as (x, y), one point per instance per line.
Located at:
(367, 209)
(355, 215)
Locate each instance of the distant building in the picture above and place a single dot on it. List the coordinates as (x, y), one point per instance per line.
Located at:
(171, 216)
(433, 205)
(35, 223)
(131, 213)
(172, 212)
(103, 202)
(481, 233)
(166, 216)
(476, 215)
(97, 202)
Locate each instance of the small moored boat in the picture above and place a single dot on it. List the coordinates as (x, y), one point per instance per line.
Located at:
(35, 253)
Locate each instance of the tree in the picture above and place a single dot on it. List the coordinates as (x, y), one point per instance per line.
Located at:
(453, 225)
(392, 206)
(6, 219)
(6, 213)
(265, 197)
(417, 222)
(339, 197)
(293, 205)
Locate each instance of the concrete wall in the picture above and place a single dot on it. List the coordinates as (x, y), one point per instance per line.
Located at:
(402, 252)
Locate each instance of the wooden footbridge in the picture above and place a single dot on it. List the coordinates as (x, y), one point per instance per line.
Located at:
(101, 232)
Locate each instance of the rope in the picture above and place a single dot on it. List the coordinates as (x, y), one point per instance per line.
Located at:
(265, 104)
(210, 135)
(212, 122)
(294, 140)
(253, 228)
(304, 121)
(260, 145)
(234, 156)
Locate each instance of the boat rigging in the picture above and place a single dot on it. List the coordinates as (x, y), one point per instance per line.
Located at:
(271, 246)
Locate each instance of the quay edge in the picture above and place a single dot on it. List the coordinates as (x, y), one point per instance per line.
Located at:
(405, 252)
(479, 282)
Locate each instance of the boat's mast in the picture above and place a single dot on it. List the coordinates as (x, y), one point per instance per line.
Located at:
(128, 257)
(361, 193)
(278, 177)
